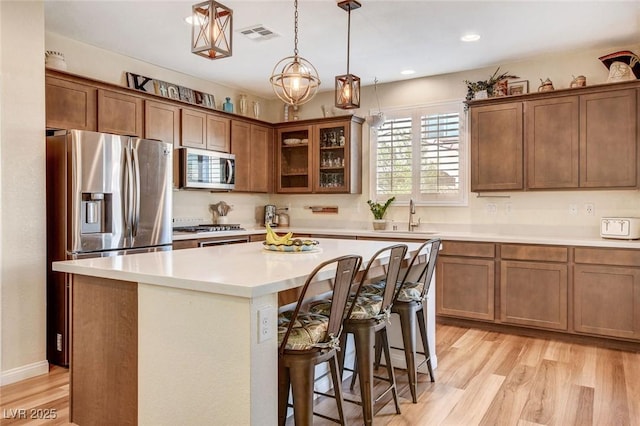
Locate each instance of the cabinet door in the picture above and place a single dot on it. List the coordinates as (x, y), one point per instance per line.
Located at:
(261, 159)
(534, 294)
(496, 147)
(119, 113)
(294, 159)
(551, 139)
(332, 158)
(218, 129)
(606, 301)
(194, 129)
(184, 244)
(608, 139)
(70, 105)
(465, 287)
(162, 122)
(241, 148)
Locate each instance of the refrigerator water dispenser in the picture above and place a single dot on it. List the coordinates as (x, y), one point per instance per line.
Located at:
(94, 213)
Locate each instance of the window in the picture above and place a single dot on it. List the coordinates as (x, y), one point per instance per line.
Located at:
(420, 153)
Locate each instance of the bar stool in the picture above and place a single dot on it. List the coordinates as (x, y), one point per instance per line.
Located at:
(409, 304)
(367, 319)
(306, 340)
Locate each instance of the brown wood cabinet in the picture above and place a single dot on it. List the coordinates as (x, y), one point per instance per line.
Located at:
(252, 146)
(184, 244)
(534, 286)
(497, 147)
(205, 131)
(162, 122)
(551, 135)
(70, 105)
(320, 156)
(606, 295)
(574, 138)
(465, 280)
(608, 139)
(120, 113)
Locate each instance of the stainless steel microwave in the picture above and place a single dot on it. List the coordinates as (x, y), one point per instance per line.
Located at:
(206, 169)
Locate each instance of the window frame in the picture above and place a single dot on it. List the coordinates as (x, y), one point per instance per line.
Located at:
(415, 113)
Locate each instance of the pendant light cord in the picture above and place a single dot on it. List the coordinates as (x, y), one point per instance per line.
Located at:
(295, 32)
(348, 38)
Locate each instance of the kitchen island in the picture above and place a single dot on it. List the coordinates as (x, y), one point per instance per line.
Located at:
(184, 337)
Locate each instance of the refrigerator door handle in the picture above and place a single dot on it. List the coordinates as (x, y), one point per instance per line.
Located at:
(128, 192)
(136, 193)
(230, 171)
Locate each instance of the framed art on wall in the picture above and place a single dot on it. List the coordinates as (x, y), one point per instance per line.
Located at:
(519, 87)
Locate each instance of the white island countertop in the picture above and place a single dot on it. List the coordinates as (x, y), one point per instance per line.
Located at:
(244, 270)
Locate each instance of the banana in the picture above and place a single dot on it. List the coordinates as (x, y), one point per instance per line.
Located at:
(273, 238)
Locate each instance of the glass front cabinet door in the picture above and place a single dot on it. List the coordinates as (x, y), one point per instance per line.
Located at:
(323, 156)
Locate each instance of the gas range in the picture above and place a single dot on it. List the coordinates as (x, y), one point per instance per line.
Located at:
(208, 228)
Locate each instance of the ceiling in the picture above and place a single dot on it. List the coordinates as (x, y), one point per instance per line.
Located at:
(386, 36)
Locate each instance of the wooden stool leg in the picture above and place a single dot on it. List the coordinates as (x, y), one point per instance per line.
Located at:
(364, 338)
(337, 386)
(422, 323)
(408, 325)
(383, 341)
(283, 393)
(302, 375)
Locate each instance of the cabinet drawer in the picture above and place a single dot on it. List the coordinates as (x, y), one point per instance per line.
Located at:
(605, 256)
(467, 249)
(541, 253)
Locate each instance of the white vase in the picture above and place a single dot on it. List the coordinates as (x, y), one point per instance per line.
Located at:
(223, 220)
(54, 60)
(256, 109)
(243, 105)
(379, 224)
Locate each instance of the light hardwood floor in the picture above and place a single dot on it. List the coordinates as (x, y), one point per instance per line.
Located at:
(483, 378)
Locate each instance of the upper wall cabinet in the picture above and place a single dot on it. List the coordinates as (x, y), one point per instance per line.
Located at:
(120, 113)
(496, 147)
(205, 131)
(320, 156)
(572, 138)
(70, 105)
(252, 146)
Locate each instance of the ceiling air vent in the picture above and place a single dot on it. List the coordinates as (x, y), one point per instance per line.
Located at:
(258, 33)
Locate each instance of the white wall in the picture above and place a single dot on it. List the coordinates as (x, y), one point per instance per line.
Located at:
(22, 193)
(110, 67)
(527, 210)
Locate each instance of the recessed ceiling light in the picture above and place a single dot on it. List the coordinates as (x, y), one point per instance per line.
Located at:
(470, 37)
(407, 72)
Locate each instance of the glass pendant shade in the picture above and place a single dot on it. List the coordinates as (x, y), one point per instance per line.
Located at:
(347, 91)
(212, 29)
(294, 80)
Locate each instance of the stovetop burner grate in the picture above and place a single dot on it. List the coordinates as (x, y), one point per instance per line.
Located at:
(208, 228)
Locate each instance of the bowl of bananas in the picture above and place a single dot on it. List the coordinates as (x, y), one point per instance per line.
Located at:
(288, 244)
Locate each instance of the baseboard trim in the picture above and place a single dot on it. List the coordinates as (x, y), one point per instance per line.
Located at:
(25, 372)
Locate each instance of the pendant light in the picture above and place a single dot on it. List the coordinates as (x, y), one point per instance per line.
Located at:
(294, 80)
(348, 85)
(211, 31)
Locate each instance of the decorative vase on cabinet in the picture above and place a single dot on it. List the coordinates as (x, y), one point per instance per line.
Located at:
(227, 106)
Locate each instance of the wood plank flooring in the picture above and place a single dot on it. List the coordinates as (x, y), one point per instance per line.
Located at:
(483, 378)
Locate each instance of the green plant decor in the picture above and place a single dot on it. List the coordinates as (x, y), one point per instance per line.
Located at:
(379, 209)
(488, 85)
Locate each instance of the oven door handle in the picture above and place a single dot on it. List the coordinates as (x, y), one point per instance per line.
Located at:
(222, 242)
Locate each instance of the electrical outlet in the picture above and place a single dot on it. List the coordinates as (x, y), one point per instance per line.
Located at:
(59, 342)
(589, 209)
(508, 208)
(491, 209)
(573, 209)
(266, 320)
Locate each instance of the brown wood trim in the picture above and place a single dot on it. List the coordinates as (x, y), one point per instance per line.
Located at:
(534, 252)
(104, 351)
(607, 256)
(468, 249)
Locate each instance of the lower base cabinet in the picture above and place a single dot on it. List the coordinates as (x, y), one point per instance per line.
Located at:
(607, 301)
(465, 281)
(534, 294)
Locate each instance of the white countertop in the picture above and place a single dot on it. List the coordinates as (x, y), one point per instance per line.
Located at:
(525, 235)
(244, 270)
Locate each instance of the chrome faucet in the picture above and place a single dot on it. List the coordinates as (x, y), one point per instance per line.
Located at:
(412, 211)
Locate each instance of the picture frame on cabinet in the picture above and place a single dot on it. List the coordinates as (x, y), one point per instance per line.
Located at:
(519, 87)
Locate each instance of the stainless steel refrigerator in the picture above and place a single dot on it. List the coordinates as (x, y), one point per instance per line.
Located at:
(106, 195)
